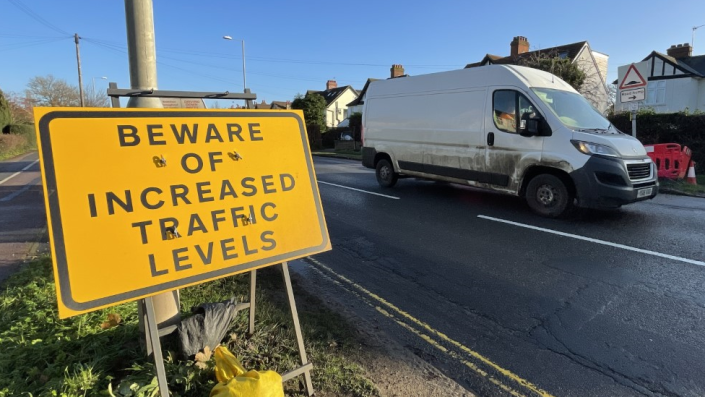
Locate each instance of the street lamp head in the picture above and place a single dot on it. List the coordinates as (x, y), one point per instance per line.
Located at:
(104, 77)
(227, 37)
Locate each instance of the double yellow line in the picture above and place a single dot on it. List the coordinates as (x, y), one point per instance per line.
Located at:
(427, 333)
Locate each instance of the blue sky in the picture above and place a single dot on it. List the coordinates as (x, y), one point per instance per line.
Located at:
(292, 46)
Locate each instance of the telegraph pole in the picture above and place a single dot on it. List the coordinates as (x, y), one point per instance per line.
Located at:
(80, 76)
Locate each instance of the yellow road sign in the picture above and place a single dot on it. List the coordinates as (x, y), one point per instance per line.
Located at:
(146, 201)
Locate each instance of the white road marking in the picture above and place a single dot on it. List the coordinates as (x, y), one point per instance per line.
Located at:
(18, 172)
(596, 241)
(359, 190)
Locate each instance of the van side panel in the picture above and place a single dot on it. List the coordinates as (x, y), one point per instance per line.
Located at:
(436, 128)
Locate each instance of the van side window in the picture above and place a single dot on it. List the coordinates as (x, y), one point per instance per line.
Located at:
(504, 110)
(511, 110)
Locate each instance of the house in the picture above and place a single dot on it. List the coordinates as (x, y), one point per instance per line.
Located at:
(592, 63)
(337, 99)
(359, 102)
(675, 81)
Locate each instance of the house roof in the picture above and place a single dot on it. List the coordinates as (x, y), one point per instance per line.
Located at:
(571, 51)
(280, 104)
(360, 98)
(694, 65)
(331, 95)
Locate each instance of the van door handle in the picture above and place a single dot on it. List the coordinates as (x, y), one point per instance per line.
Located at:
(490, 139)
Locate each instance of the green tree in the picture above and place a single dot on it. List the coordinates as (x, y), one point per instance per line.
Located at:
(5, 117)
(314, 107)
(561, 67)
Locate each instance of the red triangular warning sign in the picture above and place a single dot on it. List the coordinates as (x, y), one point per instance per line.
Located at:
(632, 79)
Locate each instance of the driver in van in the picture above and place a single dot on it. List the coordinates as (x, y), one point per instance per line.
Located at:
(505, 114)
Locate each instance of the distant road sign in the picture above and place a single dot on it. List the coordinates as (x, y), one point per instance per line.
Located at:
(637, 94)
(632, 78)
(141, 202)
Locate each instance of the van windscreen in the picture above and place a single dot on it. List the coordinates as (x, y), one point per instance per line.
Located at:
(574, 111)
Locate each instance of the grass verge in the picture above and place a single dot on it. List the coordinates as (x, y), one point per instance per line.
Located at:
(685, 188)
(12, 145)
(345, 154)
(45, 356)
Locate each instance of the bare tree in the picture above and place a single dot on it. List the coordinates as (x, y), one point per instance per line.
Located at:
(50, 91)
(93, 97)
(20, 108)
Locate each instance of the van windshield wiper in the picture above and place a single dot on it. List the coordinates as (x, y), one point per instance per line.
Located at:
(598, 130)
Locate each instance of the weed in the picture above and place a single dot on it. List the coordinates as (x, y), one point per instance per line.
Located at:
(44, 356)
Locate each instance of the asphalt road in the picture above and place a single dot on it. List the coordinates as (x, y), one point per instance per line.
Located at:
(500, 300)
(22, 216)
(505, 303)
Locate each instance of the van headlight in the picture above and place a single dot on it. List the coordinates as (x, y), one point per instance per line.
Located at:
(594, 148)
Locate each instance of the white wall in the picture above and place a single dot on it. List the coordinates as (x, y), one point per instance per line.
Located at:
(671, 95)
(593, 88)
(333, 118)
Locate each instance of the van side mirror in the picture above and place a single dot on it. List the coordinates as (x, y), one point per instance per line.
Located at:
(531, 126)
(535, 126)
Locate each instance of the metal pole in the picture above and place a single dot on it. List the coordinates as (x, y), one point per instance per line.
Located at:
(143, 76)
(80, 76)
(153, 333)
(244, 79)
(141, 50)
(297, 326)
(634, 123)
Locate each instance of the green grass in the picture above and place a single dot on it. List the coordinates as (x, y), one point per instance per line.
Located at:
(45, 356)
(684, 187)
(341, 154)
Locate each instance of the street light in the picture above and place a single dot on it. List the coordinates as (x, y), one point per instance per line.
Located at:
(244, 79)
(102, 78)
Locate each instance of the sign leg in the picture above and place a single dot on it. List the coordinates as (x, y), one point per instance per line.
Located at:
(297, 326)
(153, 333)
(253, 285)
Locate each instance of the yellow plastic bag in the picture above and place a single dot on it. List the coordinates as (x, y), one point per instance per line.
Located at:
(234, 381)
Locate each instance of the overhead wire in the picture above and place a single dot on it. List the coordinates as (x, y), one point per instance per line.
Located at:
(282, 60)
(122, 48)
(15, 46)
(37, 17)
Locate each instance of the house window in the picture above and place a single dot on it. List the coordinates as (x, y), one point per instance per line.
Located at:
(656, 93)
(563, 55)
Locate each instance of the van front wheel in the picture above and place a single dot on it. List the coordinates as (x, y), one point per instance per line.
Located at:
(548, 196)
(386, 177)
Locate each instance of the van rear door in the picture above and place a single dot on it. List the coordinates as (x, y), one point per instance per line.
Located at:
(508, 153)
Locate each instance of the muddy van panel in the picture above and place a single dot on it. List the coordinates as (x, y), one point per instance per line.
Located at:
(506, 128)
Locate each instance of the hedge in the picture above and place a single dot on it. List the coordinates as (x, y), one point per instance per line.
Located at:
(26, 130)
(17, 139)
(681, 128)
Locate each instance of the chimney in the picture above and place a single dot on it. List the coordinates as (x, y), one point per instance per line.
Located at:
(331, 84)
(518, 46)
(680, 51)
(397, 71)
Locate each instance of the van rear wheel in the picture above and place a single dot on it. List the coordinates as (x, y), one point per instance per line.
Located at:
(548, 196)
(386, 177)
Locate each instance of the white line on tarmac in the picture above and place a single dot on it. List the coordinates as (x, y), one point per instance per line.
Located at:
(359, 190)
(18, 172)
(596, 241)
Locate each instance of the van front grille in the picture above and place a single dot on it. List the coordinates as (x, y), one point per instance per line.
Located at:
(639, 171)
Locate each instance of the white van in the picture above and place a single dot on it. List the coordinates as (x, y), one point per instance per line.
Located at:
(511, 129)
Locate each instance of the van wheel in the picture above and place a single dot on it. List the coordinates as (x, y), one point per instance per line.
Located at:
(386, 177)
(548, 196)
